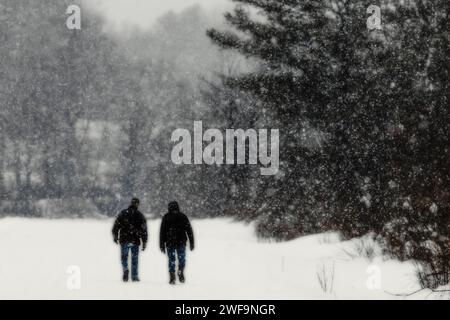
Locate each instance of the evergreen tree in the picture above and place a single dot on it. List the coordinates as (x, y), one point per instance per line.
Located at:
(377, 98)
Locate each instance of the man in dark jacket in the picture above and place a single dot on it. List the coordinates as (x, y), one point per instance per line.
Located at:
(174, 232)
(130, 230)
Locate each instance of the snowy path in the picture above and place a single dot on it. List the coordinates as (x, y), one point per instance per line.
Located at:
(228, 263)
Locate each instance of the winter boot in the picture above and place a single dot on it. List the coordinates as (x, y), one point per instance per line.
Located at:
(181, 275)
(125, 276)
(172, 278)
(136, 279)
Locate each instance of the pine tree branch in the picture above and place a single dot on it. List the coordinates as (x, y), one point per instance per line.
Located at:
(414, 292)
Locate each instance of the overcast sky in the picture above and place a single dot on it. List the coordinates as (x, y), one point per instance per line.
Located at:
(145, 12)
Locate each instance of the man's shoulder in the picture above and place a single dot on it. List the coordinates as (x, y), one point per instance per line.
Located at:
(141, 214)
(183, 216)
(122, 213)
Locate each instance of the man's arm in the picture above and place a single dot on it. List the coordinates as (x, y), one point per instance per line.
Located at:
(162, 235)
(116, 228)
(144, 232)
(189, 232)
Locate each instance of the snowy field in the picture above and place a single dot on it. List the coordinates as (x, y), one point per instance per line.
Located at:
(228, 263)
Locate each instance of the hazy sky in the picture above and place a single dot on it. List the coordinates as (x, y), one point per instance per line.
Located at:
(145, 12)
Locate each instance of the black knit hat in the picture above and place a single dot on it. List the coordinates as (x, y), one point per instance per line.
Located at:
(173, 207)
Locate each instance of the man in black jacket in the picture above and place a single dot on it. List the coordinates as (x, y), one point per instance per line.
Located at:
(130, 230)
(174, 232)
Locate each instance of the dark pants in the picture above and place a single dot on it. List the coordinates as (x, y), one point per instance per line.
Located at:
(124, 250)
(172, 252)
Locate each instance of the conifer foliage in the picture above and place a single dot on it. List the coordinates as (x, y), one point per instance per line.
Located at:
(378, 103)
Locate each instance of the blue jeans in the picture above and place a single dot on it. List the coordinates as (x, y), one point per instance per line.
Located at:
(124, 250)
(172, 252)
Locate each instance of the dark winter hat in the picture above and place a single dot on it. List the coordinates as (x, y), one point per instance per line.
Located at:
(173, 207)
(135, 201)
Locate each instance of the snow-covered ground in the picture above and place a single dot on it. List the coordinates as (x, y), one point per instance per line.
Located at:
(228, 263)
